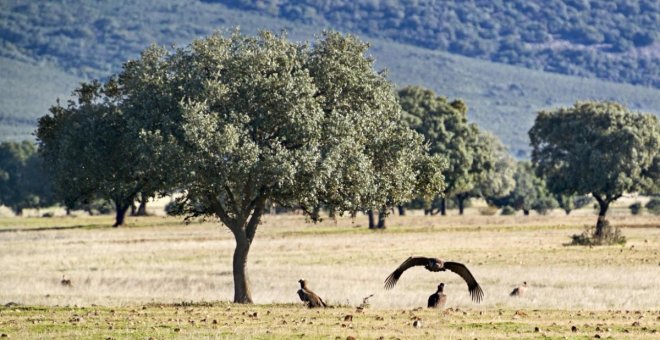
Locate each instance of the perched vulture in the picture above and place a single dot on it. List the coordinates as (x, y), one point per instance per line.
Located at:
(438, 299)
(306, 295)
(520, 290)
(437, 265)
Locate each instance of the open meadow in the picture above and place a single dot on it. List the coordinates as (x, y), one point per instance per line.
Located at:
(160, 278)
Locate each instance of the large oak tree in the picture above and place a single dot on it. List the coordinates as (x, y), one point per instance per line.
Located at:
(237, 121)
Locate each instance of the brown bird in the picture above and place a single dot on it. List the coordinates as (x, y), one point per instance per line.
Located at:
(66, 282)
(437, 265)
(520, 290)
(306, 295)
(438, 299)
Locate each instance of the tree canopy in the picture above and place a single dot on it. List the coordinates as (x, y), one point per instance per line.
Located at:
(246, 119)
(597, 148)
(471, 154)
(89, 148)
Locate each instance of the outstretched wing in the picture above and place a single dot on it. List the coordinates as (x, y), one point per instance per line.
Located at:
(475, 290)
(391, 280)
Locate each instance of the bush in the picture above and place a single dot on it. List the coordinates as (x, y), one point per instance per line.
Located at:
(635, 208)
(508, 211)
(174, 208)
(653, 206)
(611, 235)
(488, 211)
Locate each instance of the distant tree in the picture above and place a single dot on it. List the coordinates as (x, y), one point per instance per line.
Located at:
(89, 149)
(569, 203)
(653, 206)
(24, 183)
(444, 126)
(597, 148)
(499, 181)
(529, 193)
(492, 169)
(245, 120)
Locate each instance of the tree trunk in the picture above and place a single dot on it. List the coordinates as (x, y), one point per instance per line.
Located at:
(242, 291)
(526, 212)
(603, 206)
(461, 204)
(121, 210)
(372, 224)
(402, 210)
(381, 218)
(443, 206)
(142, 209)
(133, 209)
(244, 227)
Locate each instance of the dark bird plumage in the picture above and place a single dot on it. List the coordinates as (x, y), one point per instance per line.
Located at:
(438, 299)
(520, 290)
(437, 265)
(310, 298)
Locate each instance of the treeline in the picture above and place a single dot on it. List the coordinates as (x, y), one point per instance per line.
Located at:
(591, 38)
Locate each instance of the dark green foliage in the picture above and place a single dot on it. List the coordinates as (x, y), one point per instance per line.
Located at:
(530, 192)
(542, 34)
(569, 203)
(507, 211)
(24, 181)
(91, 151)
(653, 206)
(597, 148)
(635, 208)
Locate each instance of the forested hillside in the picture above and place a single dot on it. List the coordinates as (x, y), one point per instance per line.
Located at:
(609, 39)
(47, 47)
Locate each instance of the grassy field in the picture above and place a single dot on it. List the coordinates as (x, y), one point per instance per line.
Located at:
(159, 278)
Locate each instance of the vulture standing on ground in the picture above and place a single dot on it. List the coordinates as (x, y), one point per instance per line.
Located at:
(520, 290)
(438, 299)
(309, 297)
(437, 265)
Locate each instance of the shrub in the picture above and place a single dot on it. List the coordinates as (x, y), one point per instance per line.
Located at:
(611, 235)
(635, 208)
(508, 211)
(653, 206)
(174, 208)
(488, 211)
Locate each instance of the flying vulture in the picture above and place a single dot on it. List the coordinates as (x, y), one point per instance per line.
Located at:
(520, 290)
(306, 295)
(437, 265)
(438, 299)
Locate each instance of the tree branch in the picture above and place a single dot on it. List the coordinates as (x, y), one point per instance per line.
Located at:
(251, 227)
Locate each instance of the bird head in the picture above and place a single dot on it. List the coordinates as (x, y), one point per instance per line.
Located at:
(441, 286)
(525, 283)
(302, 283)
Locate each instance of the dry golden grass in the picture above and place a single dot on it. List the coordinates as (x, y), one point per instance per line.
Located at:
(160, 260)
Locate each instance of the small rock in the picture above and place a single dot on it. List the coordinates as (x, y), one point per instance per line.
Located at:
(177, 330)
(350, 338)
(574, 329)
(536, 329)
(635, 324)
(348, 317)
(597, 336)
(4, 335)
(417, 323)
